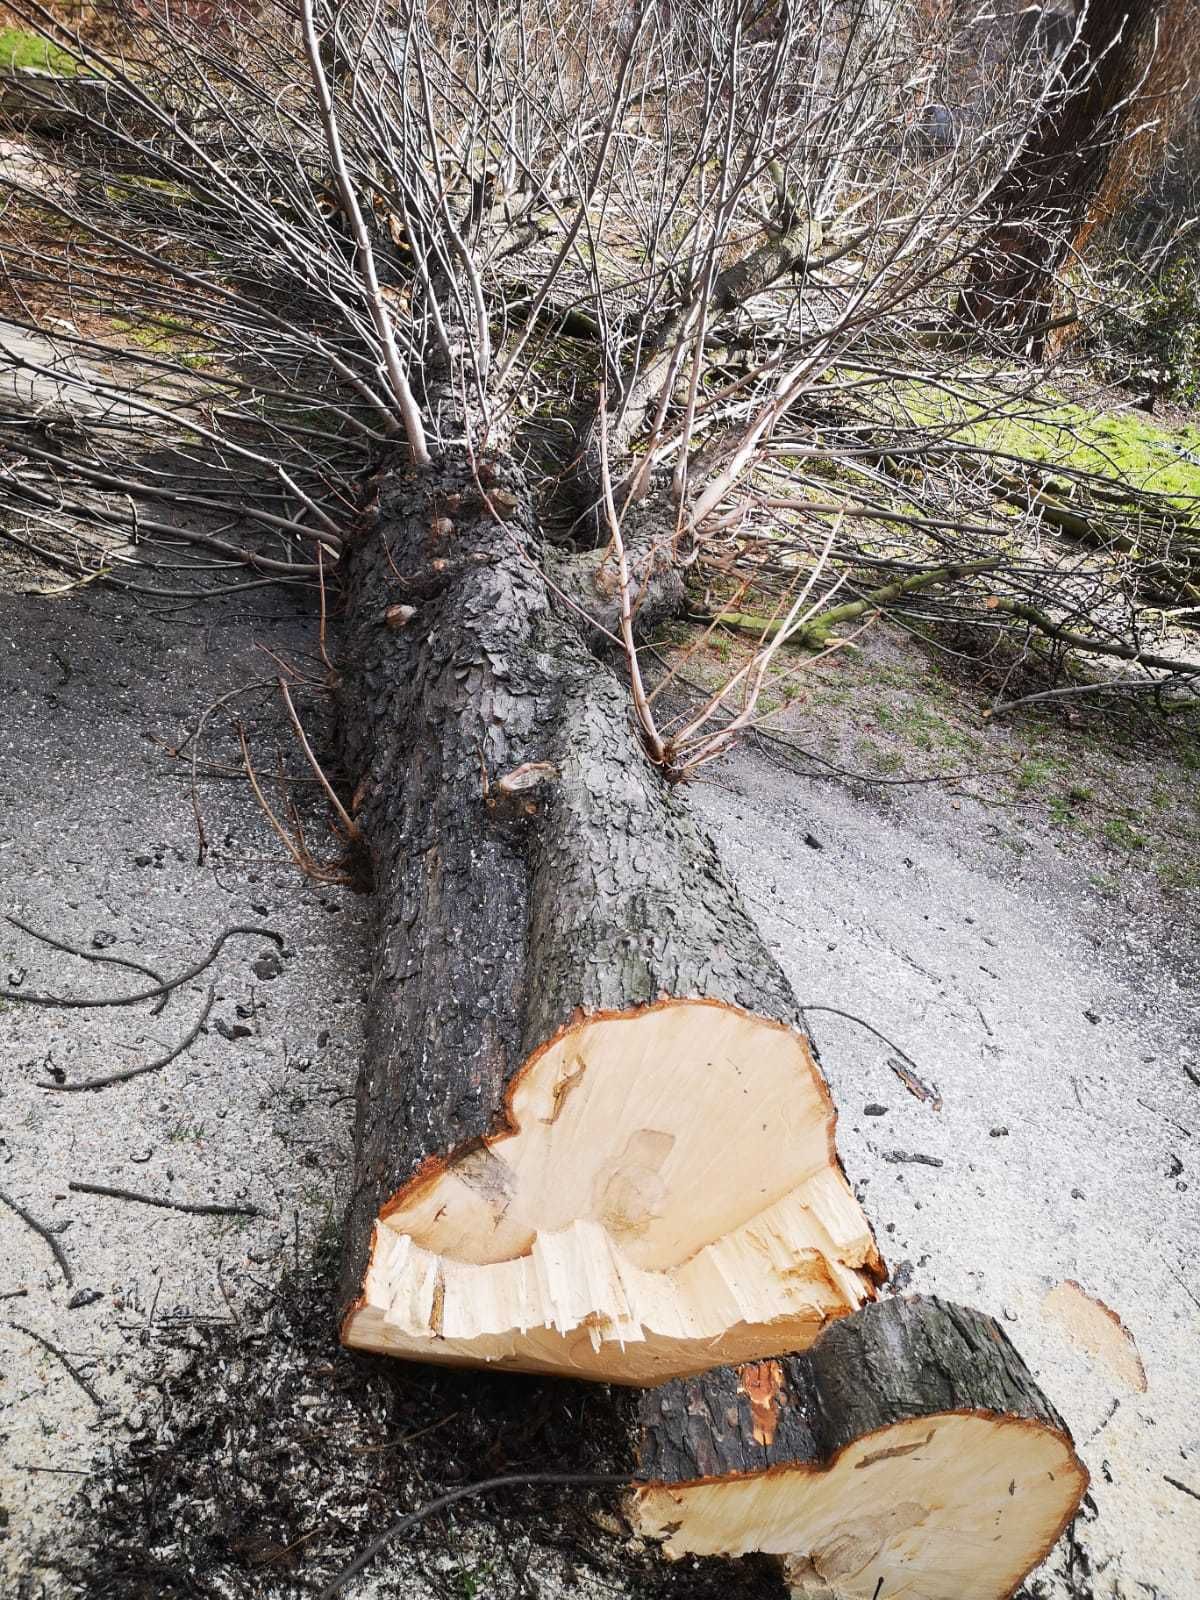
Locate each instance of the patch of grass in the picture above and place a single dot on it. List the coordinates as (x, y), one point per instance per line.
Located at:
(1035, 773)
(1122, 835)
(1063, 813)
(20, 49)
(1127, 447)
(185, 1133)
(1178, 876)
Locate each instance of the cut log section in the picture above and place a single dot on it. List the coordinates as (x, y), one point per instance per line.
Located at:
(908, 1452)
(591, 1138)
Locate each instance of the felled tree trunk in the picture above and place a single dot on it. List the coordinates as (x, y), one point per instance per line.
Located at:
(590, 1137)
(909, 1451)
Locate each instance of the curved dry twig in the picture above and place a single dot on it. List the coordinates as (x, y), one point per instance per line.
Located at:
(43, 1233)
(512, 1480)
(92, 955)
(76, 1002)
(127, 1073)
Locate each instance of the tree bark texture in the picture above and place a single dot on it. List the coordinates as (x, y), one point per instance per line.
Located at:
(1045, 199)
(896, 1359)
(909, 1442)
(530, 867)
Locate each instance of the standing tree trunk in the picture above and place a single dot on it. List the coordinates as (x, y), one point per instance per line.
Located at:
(1130, 60)
(590, 1137)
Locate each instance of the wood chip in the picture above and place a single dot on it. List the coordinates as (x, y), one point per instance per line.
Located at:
(1097, 1329)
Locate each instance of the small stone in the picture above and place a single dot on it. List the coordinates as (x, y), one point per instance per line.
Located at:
(1093, 1017)
(102, 938)
(902, 1276)
(1174, 1166)
(874, 1110)
(232, 1030)
(267, 966)
(997, 1133)
(1077, 1194)
(17, 976)
(83, 1297)
(322, 1038)
(143, 861)
(813, 842)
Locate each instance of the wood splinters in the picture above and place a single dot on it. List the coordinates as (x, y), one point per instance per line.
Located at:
(613, 1233)
(910, 1452)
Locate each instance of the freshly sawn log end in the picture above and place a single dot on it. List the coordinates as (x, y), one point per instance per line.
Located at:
(908, 1452)
(665, 1193)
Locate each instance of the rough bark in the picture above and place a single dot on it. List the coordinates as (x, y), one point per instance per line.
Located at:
(541, 889)
(1049, 195)
(910, 1441)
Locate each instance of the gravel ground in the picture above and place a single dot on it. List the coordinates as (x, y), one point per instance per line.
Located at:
(1061, 1029)
(98, 847)
(1060, 1026)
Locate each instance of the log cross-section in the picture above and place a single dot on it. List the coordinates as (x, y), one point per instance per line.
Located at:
(591, 1137)
(907, 1452)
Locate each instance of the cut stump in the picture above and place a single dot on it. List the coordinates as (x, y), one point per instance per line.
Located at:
(908, 1452)
(591, 1137)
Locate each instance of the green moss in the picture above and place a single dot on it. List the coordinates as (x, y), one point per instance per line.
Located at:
(1127, 448)
(21, 49)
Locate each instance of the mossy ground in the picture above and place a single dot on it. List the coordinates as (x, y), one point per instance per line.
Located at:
(21, 49)
(1123, 446)
(1109, 778)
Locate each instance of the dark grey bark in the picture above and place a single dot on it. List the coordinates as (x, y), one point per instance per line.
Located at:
(890, 1361)
(502, 910)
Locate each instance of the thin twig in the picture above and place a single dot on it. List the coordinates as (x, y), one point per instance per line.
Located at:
(484, 1486)
(225, 1293)
(299, 852)
(147, 1066)
(58, 1355)
(408, 411)
(850, 1017)
(352, 829)
(92, 955)
(1115, 685)
(162, 988)
(194, 739)
(59, 1253)
(195, 1208)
